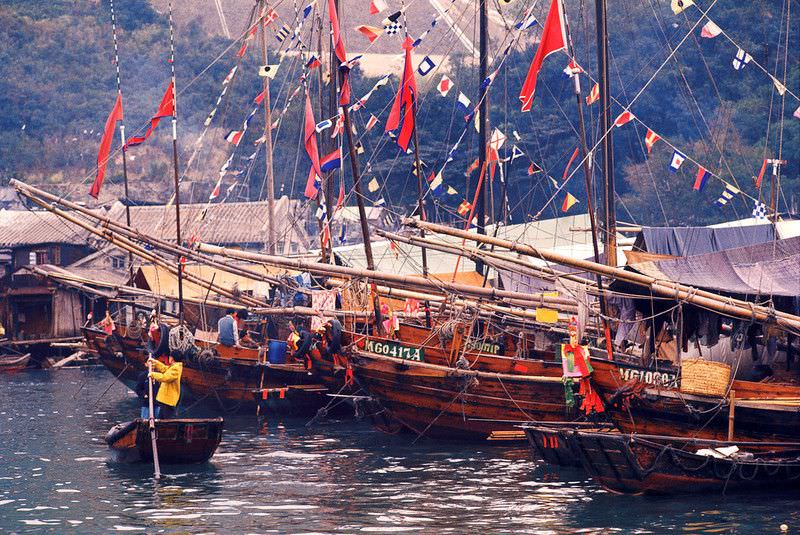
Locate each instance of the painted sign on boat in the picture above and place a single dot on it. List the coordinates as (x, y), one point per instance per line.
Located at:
(393, 349)
(650, 377)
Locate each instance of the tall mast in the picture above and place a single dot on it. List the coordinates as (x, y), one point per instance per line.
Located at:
(421, 208)
(362, 211)
(587, 173)
(175, 160)
(483, 116)
(610, 230)
(268, 173)
(122, 133)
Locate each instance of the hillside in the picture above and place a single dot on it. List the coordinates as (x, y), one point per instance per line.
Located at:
(57, 86)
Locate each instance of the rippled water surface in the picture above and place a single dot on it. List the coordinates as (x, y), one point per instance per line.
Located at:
(338, 477)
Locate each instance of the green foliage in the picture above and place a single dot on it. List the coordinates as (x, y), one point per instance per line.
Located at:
(57, 79)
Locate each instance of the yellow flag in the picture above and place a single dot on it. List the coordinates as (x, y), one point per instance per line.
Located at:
(373, 185)
(546, 315)
(569, 200)
(679, 5)
(268, 70)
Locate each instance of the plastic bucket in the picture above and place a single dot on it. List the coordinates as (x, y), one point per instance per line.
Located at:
(276, 353)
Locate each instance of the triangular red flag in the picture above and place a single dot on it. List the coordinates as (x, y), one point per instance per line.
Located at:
(554, 38)
(404, 102)
(165, 109)
(105, 145)
(311, 150)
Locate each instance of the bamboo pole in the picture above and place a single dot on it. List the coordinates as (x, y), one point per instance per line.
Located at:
(668, 289)
(153, 438)
(31, 191)
(731, 412)
(473, 252)
(128, 245)
(371, 275)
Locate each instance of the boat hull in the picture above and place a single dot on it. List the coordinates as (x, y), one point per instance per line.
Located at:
(642, 464)
(445, 402)
(658, 407)
(233, 378)
(180, 441)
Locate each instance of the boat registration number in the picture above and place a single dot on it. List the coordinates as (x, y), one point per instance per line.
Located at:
(649, 377)
(393, 349)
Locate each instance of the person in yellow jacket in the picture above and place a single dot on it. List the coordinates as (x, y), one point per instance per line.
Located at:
(169, 377)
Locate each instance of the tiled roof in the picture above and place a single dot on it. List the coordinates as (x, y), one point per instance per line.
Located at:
(228, 223)
(33, 227)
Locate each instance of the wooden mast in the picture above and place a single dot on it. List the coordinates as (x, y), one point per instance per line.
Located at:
(587, 173)
(362, 211)
(175, 160)
(609, 190)
(483, 116)
(122, 133)
(269, 177)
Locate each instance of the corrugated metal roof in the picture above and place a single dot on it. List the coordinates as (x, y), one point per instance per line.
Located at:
(33, 227)
(229, 223)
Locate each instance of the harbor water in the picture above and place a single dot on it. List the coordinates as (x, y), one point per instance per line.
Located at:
(285, 477)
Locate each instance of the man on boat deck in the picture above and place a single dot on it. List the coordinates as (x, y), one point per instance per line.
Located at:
(300, 340)
(169, 391)
(142, 391)
(228, 329)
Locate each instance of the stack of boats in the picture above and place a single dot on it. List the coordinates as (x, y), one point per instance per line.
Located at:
(682, 407)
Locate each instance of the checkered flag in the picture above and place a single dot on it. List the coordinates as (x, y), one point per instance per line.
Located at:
(760, 211)
(393, 28)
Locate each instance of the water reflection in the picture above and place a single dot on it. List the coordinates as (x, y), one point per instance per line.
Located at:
(340, 477)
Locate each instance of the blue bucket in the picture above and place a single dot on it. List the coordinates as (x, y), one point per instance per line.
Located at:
(276, 353)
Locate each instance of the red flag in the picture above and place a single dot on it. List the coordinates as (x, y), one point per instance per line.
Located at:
(761, 174)
(554, 38)
(165, 109)
(569, 163)
(405, 101)
(313, 152)
(344, 97)
(569, 201)
(650, 139)
(260, 97)
(594, 95)
(340, 199)
(623, 118)
(105, 146)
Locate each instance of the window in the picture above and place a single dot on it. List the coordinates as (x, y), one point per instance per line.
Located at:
(39, 257)
(118, 262)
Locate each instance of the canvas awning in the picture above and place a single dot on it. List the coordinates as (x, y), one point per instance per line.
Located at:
(771, 268)
(162, 282)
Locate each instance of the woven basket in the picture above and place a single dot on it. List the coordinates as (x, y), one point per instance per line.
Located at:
(704, 377)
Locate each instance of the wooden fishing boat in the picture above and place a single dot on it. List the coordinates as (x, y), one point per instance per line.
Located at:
(14, 362)
(639, 400)
(550, 441)
(652, 464)
(234, 378)
(180, 441)
(452, 402)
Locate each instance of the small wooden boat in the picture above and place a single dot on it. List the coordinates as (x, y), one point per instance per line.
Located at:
(179, 441)
(550, 443)
(651, 464)
(14, 362)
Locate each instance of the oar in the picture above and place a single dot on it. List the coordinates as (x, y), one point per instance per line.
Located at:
(156, 466)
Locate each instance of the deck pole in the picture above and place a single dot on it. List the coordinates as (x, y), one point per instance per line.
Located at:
(153, 440)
